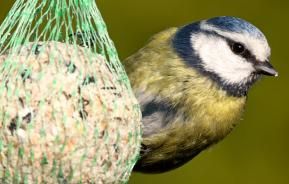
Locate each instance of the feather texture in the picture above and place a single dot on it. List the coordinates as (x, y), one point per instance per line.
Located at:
(188, 111)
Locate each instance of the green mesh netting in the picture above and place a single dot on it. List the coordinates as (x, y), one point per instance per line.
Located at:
(67, 111)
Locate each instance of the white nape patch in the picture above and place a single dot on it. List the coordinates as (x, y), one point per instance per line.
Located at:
(258, 47)
(218, 58)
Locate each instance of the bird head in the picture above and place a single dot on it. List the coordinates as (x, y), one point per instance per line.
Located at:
(230, 51)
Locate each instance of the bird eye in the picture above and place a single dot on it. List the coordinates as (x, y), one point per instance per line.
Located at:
(238, 48)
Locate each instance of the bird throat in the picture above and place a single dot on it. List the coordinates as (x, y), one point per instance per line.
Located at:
(235, 90)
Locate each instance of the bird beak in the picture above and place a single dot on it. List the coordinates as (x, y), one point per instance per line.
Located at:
(265, 68)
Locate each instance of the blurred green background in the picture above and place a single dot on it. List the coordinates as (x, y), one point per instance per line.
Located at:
(258, 149)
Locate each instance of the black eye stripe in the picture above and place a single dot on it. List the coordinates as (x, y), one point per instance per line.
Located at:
(238, 48)
(246, 54)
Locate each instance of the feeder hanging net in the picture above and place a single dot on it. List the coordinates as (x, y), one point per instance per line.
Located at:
(67, 111)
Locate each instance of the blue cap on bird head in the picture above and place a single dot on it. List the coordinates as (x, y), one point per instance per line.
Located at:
(237, 25)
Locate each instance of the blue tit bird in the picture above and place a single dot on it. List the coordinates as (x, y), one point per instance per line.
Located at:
(192, 84)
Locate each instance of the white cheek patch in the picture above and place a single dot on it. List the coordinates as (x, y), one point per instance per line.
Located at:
(218, 58)
(259, 47)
